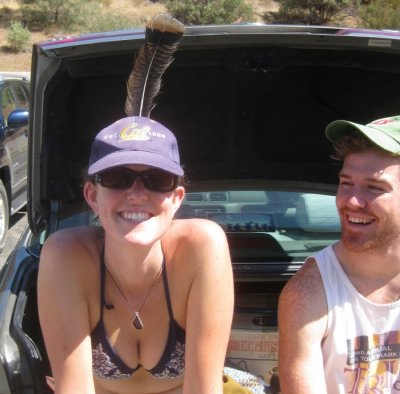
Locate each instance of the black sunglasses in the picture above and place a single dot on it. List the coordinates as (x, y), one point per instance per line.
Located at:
(122, 178)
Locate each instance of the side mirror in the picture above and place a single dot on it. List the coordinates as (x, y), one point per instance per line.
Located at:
(18, 118)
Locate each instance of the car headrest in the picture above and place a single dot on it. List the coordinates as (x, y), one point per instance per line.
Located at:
(317, 213)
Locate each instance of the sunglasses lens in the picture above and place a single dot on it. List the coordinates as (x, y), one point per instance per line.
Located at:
(159, 181)
(117, 178)
(122, 178)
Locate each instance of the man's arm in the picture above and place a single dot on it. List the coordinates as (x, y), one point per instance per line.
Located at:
(302, 321)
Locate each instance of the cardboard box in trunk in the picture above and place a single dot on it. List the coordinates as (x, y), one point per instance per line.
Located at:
(253, 344)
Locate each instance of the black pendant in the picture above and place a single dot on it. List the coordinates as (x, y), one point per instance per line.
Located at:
(137, 321)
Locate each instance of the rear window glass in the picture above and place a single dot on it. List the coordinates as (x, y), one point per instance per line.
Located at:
(261, 225)
(270, 224)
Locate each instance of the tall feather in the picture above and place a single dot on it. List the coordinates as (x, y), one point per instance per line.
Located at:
(163, 34)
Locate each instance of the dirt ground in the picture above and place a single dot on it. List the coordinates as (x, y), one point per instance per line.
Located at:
(10, 11)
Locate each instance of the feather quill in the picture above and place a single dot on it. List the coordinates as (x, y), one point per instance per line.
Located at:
(163, 34)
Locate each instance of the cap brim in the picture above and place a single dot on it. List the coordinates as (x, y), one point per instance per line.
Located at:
(339, 128)
(122, 158)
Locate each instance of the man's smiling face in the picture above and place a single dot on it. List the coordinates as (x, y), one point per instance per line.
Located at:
(368, 201)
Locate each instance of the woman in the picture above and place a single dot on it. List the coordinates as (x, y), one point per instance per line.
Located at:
(142, 304)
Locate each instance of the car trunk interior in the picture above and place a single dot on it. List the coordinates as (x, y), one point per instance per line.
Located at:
(240, 115)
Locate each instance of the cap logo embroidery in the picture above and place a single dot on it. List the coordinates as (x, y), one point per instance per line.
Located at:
(386, 120)
(134, 133)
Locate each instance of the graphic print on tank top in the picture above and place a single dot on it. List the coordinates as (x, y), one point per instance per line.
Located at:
(373, 363)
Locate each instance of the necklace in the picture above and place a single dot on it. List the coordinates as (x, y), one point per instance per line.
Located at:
(136, 320)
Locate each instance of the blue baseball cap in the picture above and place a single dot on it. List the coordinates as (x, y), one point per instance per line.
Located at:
(135, 140)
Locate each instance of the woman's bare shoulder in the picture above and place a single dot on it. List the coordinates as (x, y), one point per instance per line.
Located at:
(196, 230)
(72, 247)
(74, 237)
(197, 243)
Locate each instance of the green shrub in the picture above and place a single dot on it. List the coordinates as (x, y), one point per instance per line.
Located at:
(17, 37)
(107, 21)
(308, 12)
(81, 16)
(204, 12)
(381, 14)
(42, 14)
(93, 18)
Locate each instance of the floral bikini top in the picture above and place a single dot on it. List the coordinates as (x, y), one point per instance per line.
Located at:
(108, 365)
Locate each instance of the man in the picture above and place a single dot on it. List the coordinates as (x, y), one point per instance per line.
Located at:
(339, 316)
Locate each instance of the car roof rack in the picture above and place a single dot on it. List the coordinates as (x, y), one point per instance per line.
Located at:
(25, 76)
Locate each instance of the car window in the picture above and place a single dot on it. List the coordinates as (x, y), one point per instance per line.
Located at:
(21, 97)
(268, 224)
(261, 225)
(8, 102)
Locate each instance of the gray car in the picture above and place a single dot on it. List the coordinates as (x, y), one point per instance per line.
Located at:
(248, 104)
(14, 104)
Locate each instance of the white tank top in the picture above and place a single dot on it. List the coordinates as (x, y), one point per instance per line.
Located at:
(362, 348)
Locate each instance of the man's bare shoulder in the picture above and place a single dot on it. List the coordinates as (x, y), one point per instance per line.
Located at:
(302, 323)
(305, 282)
(303, 296)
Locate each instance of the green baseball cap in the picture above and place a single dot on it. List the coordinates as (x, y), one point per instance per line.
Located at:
(384, 133)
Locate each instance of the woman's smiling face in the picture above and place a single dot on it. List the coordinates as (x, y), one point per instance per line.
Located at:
(135, 214)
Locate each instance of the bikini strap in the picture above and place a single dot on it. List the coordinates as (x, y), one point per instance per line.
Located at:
(102, 283)
(166, 289)
(103, 303)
